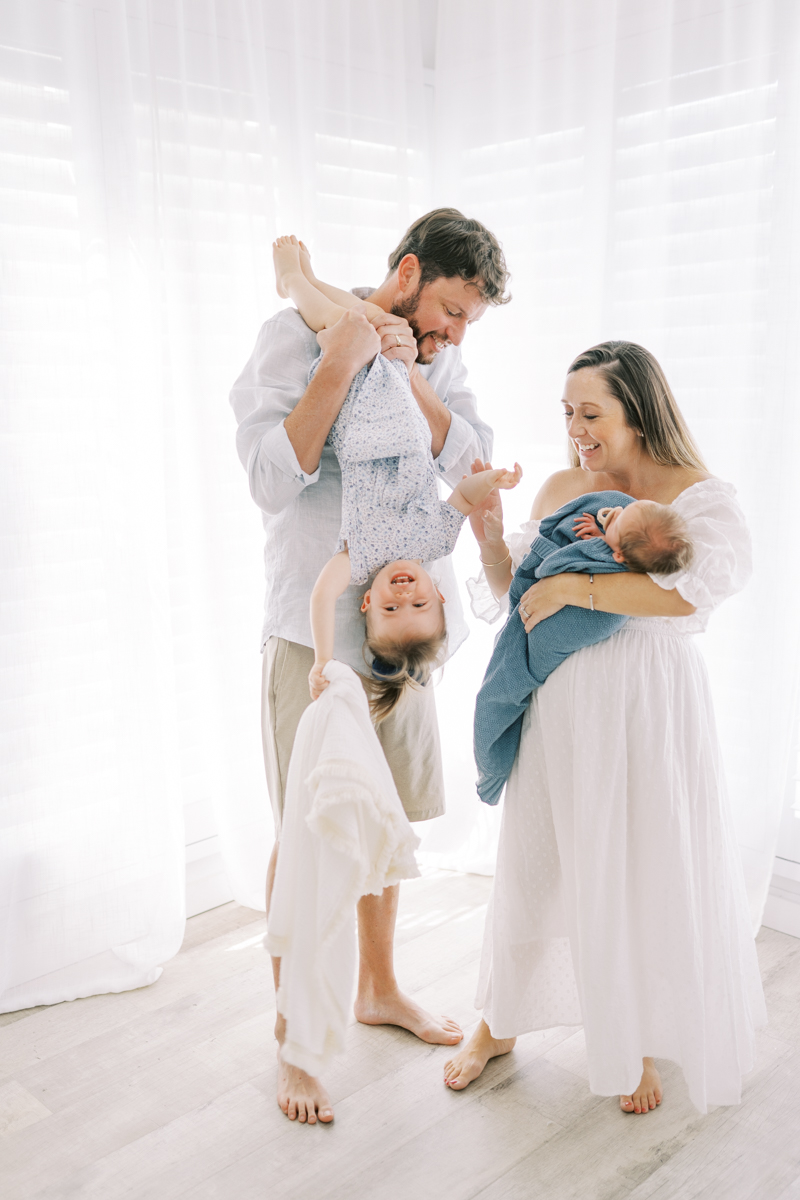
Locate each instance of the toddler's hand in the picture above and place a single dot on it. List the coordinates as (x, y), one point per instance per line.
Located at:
(586, 527)
(508, 479)
(317, 681)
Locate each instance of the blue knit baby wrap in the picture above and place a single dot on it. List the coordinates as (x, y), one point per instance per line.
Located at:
(521, 662)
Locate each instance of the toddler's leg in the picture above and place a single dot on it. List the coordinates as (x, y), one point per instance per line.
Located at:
(317, 310)
(334, 294)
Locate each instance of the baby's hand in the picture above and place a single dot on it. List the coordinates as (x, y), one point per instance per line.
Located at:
(586, 527)
(317, 681)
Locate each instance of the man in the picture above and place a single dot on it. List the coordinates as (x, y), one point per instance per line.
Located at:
(443, 275)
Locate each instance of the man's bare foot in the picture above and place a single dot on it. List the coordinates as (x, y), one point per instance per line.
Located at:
(648, 1094)
(286, 258)
(302, 1097)
(396, 1009)
(468, 1064)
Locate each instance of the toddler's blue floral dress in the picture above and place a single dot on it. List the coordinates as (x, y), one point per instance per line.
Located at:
(390, 501)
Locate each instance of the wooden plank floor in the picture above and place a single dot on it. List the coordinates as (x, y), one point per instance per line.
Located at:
(169, 1091)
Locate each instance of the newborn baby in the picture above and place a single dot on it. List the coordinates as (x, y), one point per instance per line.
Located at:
(644, 535)
(613, 532)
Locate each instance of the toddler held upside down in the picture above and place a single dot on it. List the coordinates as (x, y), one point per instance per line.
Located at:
(392, 517)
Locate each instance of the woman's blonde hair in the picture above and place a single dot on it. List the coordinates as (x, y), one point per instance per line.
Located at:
(634, 377)
(398, 666)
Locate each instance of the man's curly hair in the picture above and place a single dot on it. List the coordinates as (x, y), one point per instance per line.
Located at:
(448, 244)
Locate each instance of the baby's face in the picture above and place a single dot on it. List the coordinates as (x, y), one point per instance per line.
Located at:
(621, 521)
(403, 602)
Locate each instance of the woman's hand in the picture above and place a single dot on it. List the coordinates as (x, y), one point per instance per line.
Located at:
(317, 681)
(486, 519)
(541, 601)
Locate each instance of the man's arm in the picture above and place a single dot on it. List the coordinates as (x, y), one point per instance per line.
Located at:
(348, 346)
(467, 437)
(435, 413)
(283, 420)
(457, 433)
(267, 390)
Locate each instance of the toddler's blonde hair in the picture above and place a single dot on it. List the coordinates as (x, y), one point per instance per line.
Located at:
(403, 665)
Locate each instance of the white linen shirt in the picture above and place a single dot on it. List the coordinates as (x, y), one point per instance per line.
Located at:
(301, 511)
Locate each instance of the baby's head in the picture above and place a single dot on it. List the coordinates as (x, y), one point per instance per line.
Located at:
(406, 630)
(648, 537)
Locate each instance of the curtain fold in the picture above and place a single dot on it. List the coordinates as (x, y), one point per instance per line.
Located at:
(641, 164)
(151, 152)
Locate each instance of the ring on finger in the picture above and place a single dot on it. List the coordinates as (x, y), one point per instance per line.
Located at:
(397, 335)
(524, 612)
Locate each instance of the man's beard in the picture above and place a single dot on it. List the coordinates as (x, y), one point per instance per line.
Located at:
(407, 309)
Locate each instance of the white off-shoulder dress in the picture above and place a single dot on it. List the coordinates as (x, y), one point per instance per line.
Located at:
(618, 899)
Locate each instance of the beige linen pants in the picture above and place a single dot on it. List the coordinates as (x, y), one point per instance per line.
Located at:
(409, 735)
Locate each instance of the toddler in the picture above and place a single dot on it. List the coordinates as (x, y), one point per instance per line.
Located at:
(392, 517)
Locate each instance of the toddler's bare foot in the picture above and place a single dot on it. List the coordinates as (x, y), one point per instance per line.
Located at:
(305, 263)
(393, 1008)
(286, 257)
(648, 1094)
(302, 1097)
(468, 1064)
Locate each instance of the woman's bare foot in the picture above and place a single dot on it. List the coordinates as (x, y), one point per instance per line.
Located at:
(302, 1097)
(648, 1094)
(393, 1008)
(286, 258)
(468, 1064)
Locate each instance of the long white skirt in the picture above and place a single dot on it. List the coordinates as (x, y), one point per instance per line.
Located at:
(618, 900)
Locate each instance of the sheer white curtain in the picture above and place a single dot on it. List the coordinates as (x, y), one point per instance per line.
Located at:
(641, 162)
(151, 151)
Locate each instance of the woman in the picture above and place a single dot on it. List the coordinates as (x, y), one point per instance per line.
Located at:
(618, 900)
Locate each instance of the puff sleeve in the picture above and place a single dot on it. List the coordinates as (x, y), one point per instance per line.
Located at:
(722, 561)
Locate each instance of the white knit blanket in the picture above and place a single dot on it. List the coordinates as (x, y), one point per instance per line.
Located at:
(345, 834)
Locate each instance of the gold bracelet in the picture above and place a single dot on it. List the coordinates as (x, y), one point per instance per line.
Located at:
(497, 564)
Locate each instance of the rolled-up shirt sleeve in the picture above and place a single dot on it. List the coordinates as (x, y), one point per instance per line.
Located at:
(468, 437)
(267, 390)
